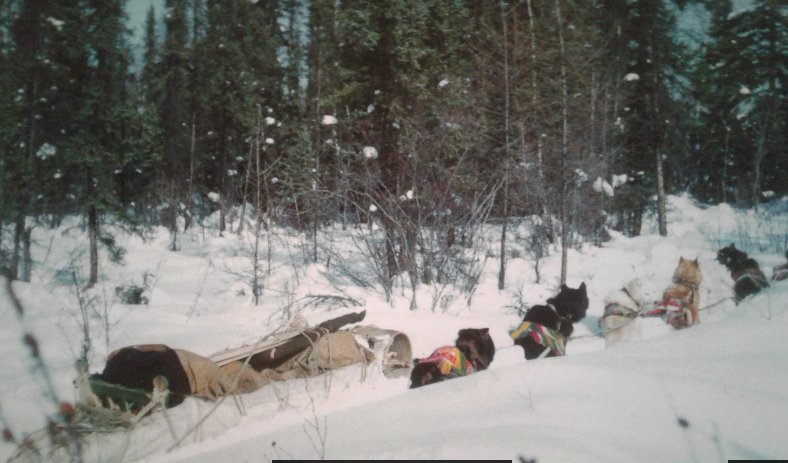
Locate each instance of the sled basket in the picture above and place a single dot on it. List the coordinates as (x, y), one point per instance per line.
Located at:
(127, 399)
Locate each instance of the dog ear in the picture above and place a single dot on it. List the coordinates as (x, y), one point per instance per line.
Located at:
(564, 287)
(681, 259)
(484, 330)
(733, 246)
(582, 286)
(696, 261)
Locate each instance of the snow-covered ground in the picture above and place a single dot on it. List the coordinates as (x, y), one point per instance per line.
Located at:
(706, 394)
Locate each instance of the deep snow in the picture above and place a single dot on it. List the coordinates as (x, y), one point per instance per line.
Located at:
(723, 378)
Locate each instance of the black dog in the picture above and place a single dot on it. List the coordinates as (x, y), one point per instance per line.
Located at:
(551, 325)
(473, 351)
(747, 276)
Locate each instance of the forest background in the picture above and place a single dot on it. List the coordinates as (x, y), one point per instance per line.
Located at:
(424, 118)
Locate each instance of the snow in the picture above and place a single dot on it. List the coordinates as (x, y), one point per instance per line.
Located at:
(329, 120)
(370, 152)
(723, 379)
(270, 121)
(601, 185)
(443, 83)
(631, 77)
(46, 151)
(619, 180)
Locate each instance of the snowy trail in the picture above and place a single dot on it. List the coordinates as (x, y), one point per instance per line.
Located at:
(724, 377)
(617, 405)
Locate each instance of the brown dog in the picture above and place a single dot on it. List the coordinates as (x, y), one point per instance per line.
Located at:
(681, 299)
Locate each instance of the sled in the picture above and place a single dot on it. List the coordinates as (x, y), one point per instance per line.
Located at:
(115, 424)
(107, 405)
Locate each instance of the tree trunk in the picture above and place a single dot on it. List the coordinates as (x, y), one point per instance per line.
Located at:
(27, 257)
(756, 168)
(19, 230)
(189, 201)
(661, 212)
(93, 232)
(502, 271)
(564, 146)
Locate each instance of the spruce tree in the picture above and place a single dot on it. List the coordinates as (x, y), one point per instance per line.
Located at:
(651, 66)
(742, 92)
(241, 43)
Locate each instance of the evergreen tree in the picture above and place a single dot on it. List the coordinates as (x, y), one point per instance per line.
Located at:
(175, 120)
(137, 180)
(742, 93)
(241, 43)
(97, 142)
(651, 64)
(31, 141)
(393, 55)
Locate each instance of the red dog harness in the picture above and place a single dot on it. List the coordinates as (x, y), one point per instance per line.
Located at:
(780, 272)
(675, 312)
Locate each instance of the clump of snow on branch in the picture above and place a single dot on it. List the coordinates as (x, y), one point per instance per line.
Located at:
(46, 151)
(631, 77)
(370, 152)
(601, 186)
(270, 120)
(619, 180)
(329, 120)
(443, 83)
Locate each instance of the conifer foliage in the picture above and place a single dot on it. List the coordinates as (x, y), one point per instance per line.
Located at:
(420, 117)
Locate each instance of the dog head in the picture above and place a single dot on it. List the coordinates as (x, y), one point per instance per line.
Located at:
(688, 272)
(641, 291)
(571, 303)
(731, 257)
(477, 345)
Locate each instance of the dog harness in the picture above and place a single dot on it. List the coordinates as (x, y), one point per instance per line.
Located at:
(675, 312)
(753, 274)
(561, 318)
(619, 310)
(692, 286)
(780, 272)
(450, 360)
(542, 335)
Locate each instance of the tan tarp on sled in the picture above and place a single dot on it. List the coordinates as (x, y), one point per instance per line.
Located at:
(331, 351)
